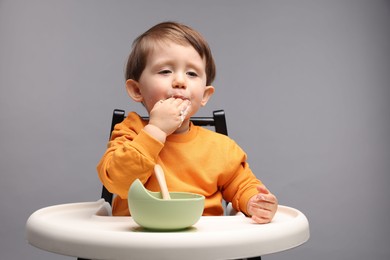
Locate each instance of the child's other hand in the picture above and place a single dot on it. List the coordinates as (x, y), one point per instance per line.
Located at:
(168, 115)
(263, 206)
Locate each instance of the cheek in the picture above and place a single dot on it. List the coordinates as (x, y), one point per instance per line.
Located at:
(198, 96)
(154, 87)
(147, 99)
(196, 103)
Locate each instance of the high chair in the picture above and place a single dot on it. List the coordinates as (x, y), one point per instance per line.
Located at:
(217, 121)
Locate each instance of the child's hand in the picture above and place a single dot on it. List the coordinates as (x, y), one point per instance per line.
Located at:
(169, 114)
(262, 207)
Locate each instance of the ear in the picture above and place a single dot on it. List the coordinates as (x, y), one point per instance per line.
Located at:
(133, 90)
(208, 92)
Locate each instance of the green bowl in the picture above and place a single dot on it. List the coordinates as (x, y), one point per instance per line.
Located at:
(150, 211)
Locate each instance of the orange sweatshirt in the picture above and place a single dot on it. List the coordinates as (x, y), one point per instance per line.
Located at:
(200, 161)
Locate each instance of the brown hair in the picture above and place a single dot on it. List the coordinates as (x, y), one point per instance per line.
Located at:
(162, 32)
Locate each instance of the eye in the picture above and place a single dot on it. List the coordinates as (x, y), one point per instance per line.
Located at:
(164, 72)
(192, 74)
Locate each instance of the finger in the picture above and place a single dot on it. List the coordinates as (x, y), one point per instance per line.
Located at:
(185, 107)
(186, 103)
(264, 198)
(260, 220)
(171, 100)
(262, 214)
(159, 102)
(262, 189)
(177, 101)
(263, 205)
(270, 198)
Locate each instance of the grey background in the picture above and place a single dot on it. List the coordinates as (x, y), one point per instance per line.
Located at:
(305, 85)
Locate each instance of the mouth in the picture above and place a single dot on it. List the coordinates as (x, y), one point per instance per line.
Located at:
(180, 97)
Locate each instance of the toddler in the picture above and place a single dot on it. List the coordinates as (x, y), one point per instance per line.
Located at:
(170, 71)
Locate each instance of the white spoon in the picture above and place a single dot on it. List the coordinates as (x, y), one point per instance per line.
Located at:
(161, 181)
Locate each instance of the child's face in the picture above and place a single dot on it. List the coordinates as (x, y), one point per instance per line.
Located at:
(173, 70)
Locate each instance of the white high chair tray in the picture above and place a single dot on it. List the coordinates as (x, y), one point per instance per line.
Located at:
(87, 230)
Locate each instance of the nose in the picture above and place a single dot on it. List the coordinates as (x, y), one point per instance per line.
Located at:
(179, 81)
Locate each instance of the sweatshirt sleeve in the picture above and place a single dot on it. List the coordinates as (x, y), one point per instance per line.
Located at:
(131, 154)
(239, 183)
